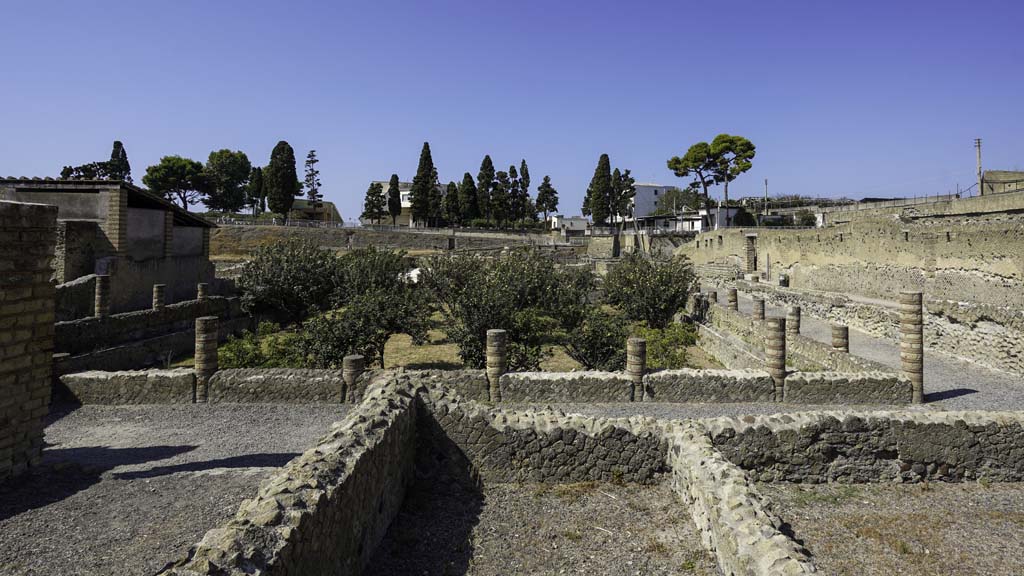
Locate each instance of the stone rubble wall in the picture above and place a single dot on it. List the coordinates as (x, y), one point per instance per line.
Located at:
(584, 386)
(277, 385)
(75, 298)
(733, 353)
(987, 334)
(325, 512)
(733, 518)
(847, 388)
(175, 386)
(892, 446)
(689, 385)
(547, 446)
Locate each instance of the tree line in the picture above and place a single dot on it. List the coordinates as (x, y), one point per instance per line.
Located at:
(501, 198)
(227, 182)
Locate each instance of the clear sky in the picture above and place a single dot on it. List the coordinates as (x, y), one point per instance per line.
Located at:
(841, 98)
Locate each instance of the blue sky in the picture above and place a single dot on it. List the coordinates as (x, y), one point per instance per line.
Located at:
(853, 98)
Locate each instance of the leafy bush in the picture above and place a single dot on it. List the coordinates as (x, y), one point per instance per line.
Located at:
(599, 343)
(269, 347)
(364, 327)
(480, 223)
(523, 293)
(368, 270)
(666, 347)
(650, 291)
(292, 277)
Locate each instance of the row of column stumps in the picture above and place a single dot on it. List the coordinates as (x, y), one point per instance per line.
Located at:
(497, 361)
(101, 296)
(912, 341)
(911, 307)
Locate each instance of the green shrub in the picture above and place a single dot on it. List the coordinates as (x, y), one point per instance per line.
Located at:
(523, 293)
(480, 223)
(364, 327)
(650, 291)
(599, 343)
(293, 277)
(269, 347)
(368, 270)
(666, 347)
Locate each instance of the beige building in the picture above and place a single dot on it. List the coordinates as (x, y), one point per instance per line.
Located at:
(1000, 181)
(115, 228)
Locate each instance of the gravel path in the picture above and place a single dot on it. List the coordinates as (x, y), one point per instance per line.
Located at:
(907, 529)
(949, 383)
(542, 529)
(126, 489)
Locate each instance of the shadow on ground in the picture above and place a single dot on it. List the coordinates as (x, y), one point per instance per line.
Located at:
(245, 461)
(947, 394)
(65, 471)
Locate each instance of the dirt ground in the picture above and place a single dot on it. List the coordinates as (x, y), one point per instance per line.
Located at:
(542, 529)
(906, 529)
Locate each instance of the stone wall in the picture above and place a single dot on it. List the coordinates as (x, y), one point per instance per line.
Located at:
(733, 518)
(325, 512)
(131, 281)
(730, 351)
(76, 299)
(974, 260)
(277, 385)
(510, 446)
(175, 386)
(78, 246)
(847, 388)
(27, 241)
(709, 386)
(875, 446)
(141, 338)
(586, 386)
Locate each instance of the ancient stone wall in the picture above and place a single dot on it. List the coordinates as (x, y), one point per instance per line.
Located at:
(875, 446)
(978, 260)
(75, 299)
(733, 518)
(277, 385)
(78, 246)
(708, 386)
(730, 351)
(325, 512)
(176, 386)
(847, 388)
(585, 386)
(27, 241)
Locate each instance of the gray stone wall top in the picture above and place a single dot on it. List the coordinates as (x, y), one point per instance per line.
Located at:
(709, 386)
(585, 386)
(173, 386)
(277, 385)
(844, 388)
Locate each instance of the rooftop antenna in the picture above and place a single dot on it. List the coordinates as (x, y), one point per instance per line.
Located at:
(765, 196)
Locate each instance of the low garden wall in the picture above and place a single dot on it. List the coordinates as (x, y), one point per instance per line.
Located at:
(709, 386)
(129, 387)
(847, 388)
(730, 351)
(901, 446)
(277, 385)
(586, 386)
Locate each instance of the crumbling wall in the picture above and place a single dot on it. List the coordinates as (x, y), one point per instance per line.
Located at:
(277, 385)
(875, 446)
(584, 386)
(709, 386)
(176, 386)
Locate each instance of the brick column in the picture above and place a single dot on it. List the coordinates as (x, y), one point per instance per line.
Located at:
(751, 263)
(758, 308)
(912, 341)
(497, 361)
(168, 233)
(636, 366)
(775, 354)
(202, 290)
(159, 296)
(352, 366)
(206, 242)
(101, 299)
(206, 355)
(841, 338)
(792, 321)
(115, 226)
(732, 298)
(28, 234)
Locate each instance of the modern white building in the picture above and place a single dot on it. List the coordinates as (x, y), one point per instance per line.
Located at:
(645, 201)
(569, 226)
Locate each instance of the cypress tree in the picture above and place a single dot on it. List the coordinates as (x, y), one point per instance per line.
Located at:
(513, 194)
(118, 166)
(469, 208)
(280, 181)
(422, 185)
(499, 197)
(254, 191)
(595, 204)
(547, 197)
(394, 199)
(452, 213)
(524, 192)
(484, 185)
(374, 206)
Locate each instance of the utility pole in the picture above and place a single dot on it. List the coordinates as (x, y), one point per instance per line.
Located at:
(977, 147)
(765, 196)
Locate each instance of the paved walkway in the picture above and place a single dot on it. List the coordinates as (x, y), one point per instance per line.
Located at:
(949, 383)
